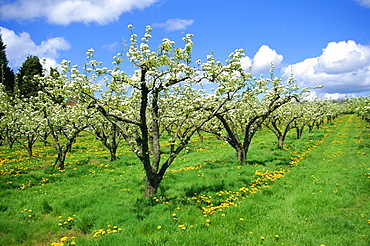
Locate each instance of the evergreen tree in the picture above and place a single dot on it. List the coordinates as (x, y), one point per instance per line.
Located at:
(6, 74)
(26, 83)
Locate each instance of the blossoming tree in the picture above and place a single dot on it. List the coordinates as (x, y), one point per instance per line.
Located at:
(243, 116)
(160, 94)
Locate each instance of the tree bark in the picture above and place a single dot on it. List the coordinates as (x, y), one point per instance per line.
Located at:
(281, 139)
(242, 156)
(151, 187)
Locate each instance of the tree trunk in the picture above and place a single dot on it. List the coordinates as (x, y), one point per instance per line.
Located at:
(281, 139)
(299, 131)
(11, 141)
(200, 136)
(242, 156)
(60, 159)
(151, 187)
(113, 153)
(310, 128)
(29, 150)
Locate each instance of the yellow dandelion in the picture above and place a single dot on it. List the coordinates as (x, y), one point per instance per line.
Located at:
(159, 227)
(63, 239)
(241, 219)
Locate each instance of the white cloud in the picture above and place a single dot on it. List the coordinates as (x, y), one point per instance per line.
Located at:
(337, 96)
(174, 24)
(343, 67)
(365, 3)
(261, 62)
(63, 12)
(18, 47)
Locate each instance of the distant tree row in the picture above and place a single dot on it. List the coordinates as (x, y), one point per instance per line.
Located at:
(23, 81)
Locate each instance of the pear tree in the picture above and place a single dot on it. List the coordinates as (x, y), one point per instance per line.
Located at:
(161, 94)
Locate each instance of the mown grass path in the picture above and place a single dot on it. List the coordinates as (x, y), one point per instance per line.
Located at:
(325, 200)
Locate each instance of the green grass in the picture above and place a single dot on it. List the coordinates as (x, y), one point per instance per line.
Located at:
(314, 192)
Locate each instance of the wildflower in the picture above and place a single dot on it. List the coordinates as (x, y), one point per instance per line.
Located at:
(183, 227)
(241, 219)
(262, 238)
(208, 220)
(63, 239)
(159, 227)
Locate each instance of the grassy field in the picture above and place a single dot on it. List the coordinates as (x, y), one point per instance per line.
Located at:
(314, 192)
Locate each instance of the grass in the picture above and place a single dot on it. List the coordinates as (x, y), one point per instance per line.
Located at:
(315, 192)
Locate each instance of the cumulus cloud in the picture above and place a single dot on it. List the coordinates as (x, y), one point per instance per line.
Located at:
(19, 46)
(343, 67)
(174, 24)
(64, 12)
(261, 62)
(337, 96)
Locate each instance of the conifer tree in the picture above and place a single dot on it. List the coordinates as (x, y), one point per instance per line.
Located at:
(26, 83)
(6, 73)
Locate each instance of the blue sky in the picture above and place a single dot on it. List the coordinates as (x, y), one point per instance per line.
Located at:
(321, 41)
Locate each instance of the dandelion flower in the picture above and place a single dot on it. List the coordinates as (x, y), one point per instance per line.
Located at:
(159, 227)
(63, 239)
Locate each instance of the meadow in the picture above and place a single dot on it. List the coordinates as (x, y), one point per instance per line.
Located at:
(315, 191)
